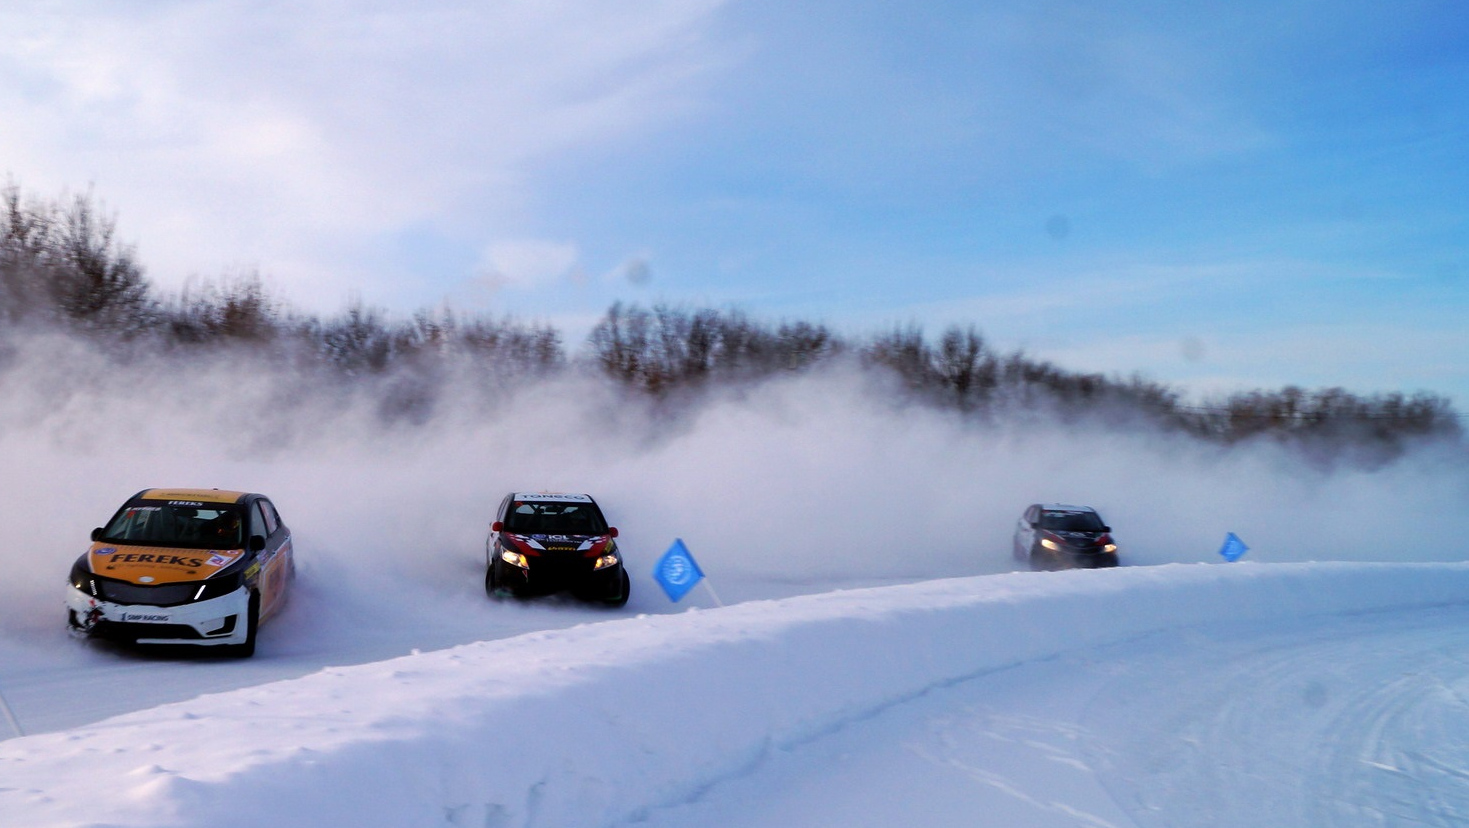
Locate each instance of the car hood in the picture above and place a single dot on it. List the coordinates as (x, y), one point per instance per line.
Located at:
(588, 545)
(157, 564)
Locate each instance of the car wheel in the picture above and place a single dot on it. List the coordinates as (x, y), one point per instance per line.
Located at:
(620, 600)
(252, 626)
(1041, 562)
(493, 587)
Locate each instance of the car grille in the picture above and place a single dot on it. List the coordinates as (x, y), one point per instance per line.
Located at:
(560, 565)
(162, 595)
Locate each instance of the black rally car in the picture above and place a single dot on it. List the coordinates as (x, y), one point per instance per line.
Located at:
(544, 543)
(1059, 536)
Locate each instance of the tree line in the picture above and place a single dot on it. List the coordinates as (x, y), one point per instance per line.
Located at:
(63, 268)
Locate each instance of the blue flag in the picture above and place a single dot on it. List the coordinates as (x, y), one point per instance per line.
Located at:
(677, 572)
(1233, 548)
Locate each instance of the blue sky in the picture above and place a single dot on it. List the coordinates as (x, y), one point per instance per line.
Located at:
(1217, 195)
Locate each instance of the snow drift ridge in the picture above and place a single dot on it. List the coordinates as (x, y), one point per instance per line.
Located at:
(664, 705)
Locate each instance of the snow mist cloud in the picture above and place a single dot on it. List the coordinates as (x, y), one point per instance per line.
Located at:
(803, 484)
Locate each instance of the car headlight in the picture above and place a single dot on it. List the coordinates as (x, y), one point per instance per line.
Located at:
(81, 578)
(605, 561)
(515, 559)
(1050, 544)
(1111, 547)
(218, 587)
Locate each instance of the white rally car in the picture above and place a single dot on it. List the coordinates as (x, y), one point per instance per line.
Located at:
(183, 566)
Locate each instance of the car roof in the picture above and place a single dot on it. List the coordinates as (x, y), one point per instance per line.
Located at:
(562, 497)
(199, 495)
(1063, 507)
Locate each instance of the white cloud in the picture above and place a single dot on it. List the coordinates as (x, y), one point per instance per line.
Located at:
(297, 136)
(528, 263)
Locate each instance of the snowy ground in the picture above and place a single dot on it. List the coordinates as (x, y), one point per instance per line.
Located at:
(1294, 694)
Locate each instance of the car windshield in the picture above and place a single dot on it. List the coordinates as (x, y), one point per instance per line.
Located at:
(212, 526)
(554, 518)
(1071, 521)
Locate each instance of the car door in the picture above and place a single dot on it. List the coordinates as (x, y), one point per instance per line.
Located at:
(275, 559)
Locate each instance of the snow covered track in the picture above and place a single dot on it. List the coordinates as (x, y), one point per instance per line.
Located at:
(662, 707)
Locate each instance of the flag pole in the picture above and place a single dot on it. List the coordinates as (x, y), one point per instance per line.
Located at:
(712, 593)
(10, 716)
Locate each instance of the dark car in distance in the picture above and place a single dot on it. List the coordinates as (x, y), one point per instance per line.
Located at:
(1059, 536)
(544, 543)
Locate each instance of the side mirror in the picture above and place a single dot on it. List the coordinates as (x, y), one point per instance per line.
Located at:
(257, 543)
(612, 532)
(1106, 528)
(497, 526)
(97, 534)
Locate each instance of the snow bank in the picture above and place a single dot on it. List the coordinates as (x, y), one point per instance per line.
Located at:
(602, 723)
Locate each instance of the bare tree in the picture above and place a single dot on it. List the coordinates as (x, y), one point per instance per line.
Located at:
(95, 281)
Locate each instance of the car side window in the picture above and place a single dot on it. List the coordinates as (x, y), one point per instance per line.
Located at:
(253, 523)
(265, 522)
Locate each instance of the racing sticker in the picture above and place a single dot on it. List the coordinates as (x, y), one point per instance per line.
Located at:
(150, 617)
(550, 497)
(159, 565)
(193, 495)
(158, 559)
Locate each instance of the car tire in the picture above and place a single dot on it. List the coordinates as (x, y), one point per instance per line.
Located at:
(1041, 562)
(252, 627)
(620, 600)
(492, 585)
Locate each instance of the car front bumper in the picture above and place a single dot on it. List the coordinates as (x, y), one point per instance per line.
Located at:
(1092, 560)
(1068, 557)
(545, 577)
(216, 621)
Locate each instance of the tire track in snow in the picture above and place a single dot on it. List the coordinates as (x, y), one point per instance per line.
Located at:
(1195, 737)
